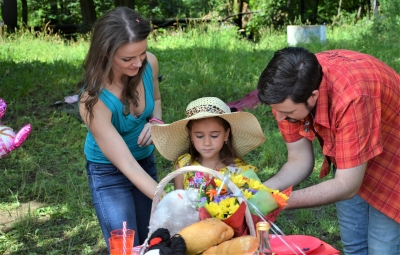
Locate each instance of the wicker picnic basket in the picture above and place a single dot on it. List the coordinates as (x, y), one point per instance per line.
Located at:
(230, 185)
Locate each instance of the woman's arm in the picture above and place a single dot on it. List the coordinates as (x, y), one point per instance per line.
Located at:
(157, 113)
(114, 147)
(144, 138)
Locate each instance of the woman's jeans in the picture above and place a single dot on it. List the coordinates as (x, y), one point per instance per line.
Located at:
(116, 199)
(365, 230)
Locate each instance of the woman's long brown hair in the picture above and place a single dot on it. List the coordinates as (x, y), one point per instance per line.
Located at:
(115, 28)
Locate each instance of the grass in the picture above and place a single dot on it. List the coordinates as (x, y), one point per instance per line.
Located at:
(38, 69)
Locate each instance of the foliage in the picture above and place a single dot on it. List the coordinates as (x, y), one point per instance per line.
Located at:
(388, 21)
(38, 69)
(271, 13)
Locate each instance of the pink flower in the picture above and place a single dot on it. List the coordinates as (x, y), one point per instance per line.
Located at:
(199, 175)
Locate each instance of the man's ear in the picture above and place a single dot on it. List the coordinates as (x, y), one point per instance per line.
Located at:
(313, 98)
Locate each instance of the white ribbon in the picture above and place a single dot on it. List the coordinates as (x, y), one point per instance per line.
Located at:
(258, 212)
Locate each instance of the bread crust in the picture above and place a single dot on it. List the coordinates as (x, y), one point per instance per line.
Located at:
(242, 245)
(204, 234)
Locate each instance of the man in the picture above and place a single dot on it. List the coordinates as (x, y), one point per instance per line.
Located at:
(351, 103)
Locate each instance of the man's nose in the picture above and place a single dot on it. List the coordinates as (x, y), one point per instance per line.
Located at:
(280, 116)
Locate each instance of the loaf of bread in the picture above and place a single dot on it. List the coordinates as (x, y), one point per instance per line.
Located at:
(242, 245)
(204, 234)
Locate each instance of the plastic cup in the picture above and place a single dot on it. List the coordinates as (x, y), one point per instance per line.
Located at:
(115, 248)
(116, 241)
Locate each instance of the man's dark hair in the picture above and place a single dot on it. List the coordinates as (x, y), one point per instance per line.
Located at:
(293, 72)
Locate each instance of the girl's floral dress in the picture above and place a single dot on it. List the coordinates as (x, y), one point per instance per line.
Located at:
(194, 180)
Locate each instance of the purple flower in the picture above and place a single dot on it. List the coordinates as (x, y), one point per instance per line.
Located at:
(253, 191)
(222, 197)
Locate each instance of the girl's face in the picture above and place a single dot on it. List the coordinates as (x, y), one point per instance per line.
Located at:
(129, 58)
(208, 137)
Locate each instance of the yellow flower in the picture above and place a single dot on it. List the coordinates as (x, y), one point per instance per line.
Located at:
(239, 180)
(247, 194)
(229, 205)
(215, 210)
(218, 183)
(255, 184)
(232, 209)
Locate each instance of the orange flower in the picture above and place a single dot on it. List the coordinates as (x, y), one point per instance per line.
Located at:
(212, 193)
(280, 200)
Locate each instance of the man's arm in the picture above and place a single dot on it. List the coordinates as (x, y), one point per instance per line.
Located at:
(298, 167)
(345, 185)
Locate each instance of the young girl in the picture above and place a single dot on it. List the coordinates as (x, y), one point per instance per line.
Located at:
(210, 136)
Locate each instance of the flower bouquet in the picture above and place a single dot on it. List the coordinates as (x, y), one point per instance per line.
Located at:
(218, 202)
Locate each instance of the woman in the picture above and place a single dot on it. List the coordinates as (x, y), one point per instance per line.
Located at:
(120, 101)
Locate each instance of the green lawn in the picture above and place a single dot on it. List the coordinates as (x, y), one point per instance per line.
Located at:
(37, 70)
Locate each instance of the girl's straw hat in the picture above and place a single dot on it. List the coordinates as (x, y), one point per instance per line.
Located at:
(172, 140)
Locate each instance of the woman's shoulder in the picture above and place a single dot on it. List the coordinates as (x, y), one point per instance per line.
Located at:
(151, 58)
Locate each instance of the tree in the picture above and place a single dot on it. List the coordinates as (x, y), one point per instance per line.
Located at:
(375, 8)
(127, 3)
(10, 14)
(24, 12)
(238, 8)
(88, 12)
(54, 12)
(153, 4)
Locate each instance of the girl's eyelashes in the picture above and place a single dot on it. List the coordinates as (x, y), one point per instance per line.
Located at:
(213, 136)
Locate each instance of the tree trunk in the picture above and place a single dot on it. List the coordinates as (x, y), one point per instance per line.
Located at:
(338, 9)
(375, 8)
(360, 9)
(315, 12)
(302, 9)
(88, 12)
(54, 12)
(10, 14)
(24, 12)
(237, 8)
(369, 8)
(127, 3)
(153, 4)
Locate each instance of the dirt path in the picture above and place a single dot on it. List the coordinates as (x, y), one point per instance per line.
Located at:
(7, 218)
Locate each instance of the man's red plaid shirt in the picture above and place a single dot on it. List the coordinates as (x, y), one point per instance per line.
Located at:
(358, 117)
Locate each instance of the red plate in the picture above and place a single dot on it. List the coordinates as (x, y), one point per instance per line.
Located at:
(304, 243)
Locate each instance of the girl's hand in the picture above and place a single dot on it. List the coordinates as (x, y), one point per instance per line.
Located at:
(144, 138)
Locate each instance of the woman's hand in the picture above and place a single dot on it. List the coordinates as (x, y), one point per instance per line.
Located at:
(144, 138)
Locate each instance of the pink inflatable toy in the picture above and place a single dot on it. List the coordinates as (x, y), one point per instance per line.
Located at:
(10, 141)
